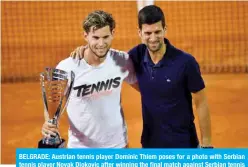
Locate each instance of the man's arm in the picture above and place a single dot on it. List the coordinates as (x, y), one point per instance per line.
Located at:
(78, 53)
(135, 86)
(202, 109)
(131, 79)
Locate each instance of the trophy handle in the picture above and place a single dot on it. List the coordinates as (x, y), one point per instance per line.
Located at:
(44, 99)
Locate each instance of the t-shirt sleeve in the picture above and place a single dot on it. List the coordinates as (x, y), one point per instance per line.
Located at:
(123, 60)
(61, 66)
(131, 78)
(65, 65)
(194, 79)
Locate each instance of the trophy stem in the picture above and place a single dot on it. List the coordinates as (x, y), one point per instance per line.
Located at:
(54, 121)
(53, 139)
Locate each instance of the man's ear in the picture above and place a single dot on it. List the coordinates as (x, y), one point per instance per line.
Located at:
(85, 35)
(113, 33)
(139, 32)
(165, 30)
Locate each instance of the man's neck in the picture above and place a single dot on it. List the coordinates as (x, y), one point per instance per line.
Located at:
(92, 59)
(157, 56)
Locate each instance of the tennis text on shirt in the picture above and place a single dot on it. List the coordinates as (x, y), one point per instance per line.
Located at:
(85, 89)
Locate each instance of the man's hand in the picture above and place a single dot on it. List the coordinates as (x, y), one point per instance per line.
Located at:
(78, 53)
(49, 130)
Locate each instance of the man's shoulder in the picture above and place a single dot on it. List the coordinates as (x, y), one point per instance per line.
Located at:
(118, 53)
(119, 58)
(183, 55)
(138, 50)
(137, 53)
(67, 64)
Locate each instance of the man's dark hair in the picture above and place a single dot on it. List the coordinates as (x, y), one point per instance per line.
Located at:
(151, 14)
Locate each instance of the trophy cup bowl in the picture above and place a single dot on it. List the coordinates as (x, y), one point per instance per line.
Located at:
(56, 86)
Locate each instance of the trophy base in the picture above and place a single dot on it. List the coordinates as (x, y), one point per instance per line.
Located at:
(42, 145)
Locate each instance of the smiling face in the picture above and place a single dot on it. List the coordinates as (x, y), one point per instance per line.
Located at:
(99, 40)
(152, 35)
(98, 32)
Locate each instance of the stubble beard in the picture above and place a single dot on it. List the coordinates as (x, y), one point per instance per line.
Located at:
(100, 57)
(156, 50)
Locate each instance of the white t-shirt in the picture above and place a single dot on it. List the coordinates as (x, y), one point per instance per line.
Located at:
(94, 108)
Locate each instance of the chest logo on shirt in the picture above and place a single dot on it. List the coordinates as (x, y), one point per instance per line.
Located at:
(85, 89)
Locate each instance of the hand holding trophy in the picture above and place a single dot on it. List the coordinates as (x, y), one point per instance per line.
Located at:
(56, 86)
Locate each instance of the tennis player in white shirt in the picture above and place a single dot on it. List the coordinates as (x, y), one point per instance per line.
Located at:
(94, 110)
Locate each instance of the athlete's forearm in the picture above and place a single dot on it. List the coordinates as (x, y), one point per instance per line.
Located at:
(205, 123)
